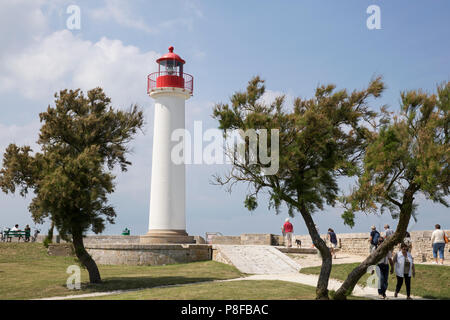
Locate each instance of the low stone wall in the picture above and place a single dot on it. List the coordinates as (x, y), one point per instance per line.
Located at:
(358, 244)
(226, 240)
(256, 239)
(149, 254)
(247, 239)
(97, 239)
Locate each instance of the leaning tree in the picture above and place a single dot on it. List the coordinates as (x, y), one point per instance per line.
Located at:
(82, 139)
(319, 140)
(408, 155)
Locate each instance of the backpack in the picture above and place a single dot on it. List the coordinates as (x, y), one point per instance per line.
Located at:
(375, 238)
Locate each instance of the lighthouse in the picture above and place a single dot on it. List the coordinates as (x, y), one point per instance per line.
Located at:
(170, 87)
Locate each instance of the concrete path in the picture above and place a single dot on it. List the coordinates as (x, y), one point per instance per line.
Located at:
(258, 259)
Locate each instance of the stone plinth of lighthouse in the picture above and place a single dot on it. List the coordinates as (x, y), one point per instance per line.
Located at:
(170, 87)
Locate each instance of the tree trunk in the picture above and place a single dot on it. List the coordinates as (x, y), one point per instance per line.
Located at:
(325, 270)
(400, 232)
(84, 257)
(49, 238)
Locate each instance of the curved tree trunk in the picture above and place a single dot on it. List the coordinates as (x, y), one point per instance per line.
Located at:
(49, 238)
(84, 257)
(325, 270)
(400, 232)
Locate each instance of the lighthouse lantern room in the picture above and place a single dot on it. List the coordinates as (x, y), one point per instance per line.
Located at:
(170, 74)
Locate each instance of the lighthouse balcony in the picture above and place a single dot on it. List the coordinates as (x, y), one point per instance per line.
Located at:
(167, 79)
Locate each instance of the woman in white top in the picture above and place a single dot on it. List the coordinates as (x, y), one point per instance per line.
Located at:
(404, 268)
(438, 243)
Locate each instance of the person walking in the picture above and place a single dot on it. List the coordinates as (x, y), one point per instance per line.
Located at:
(438, 243)
(288, 229)
(332, 242)
(404, 269)
(373, 239)
(383, 275)
(388, 231)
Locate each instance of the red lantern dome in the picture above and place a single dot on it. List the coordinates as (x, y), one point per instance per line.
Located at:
(170, 74)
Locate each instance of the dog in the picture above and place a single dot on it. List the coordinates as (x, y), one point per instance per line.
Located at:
(298, 242)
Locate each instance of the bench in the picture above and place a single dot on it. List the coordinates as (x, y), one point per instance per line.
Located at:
(15, 234)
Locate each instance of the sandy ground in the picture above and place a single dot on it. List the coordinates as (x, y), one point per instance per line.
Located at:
(314, 260)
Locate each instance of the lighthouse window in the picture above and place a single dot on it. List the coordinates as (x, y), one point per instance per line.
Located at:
(171, 67)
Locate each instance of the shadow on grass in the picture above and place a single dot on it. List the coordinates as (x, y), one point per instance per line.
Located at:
(129, 283)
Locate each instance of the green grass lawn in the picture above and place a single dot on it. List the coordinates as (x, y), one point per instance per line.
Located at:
(233, 290)
(431, 281)
(28, 272)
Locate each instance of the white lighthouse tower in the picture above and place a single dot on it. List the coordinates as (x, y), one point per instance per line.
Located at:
(170, 87)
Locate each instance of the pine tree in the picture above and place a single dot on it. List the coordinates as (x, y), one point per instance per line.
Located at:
(320, 140)
(82, 139)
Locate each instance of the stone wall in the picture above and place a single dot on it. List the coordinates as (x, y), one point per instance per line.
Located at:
(149, 254)
(226, 240)
(352, 243)
(247, 239)
(97, 239)
(256, 239)
(358, 244)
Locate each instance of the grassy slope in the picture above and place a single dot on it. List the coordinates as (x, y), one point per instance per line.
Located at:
(431, 281)
(27, 272)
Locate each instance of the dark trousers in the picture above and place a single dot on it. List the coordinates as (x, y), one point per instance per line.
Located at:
(407, 283)
(384, 278)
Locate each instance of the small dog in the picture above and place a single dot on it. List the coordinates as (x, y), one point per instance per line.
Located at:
(298, 243)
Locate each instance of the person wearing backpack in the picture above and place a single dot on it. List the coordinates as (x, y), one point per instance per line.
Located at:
(373, 240)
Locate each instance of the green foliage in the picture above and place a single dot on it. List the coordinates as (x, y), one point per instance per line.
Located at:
(47, 241)
(82, 138)
(250, 203)
(409, 150)
(320, 139)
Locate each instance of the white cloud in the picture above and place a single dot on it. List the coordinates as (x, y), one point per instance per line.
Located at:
(121, 13)
(62, 60)
(20, 135)
(21, 21)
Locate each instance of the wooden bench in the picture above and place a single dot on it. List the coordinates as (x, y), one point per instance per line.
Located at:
(8, 235)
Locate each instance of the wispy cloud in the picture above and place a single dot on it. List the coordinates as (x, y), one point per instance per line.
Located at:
(121, 13)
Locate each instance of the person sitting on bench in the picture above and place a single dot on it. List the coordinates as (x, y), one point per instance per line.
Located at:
(15, 228)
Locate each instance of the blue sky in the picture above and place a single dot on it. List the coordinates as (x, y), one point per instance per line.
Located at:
(294, 46)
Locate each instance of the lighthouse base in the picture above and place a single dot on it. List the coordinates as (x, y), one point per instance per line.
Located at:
(166, 236)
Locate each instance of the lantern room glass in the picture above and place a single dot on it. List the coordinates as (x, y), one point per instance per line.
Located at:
(171, 67)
